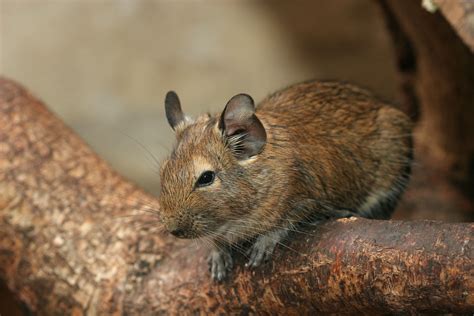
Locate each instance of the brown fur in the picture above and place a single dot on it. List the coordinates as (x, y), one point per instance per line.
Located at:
(331, 148)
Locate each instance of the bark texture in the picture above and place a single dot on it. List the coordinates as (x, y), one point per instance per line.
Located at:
(75, 237)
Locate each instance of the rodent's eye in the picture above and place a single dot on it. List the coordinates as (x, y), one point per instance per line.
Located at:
(206, 178)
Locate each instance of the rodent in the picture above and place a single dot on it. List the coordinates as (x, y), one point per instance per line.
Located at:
(313, 150)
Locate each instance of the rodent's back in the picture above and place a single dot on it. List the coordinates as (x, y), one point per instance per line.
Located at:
(344, 147)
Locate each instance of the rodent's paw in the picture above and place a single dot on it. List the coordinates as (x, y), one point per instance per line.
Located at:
(220, 262)
(261, 250)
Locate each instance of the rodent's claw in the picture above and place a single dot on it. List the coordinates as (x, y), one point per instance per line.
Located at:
(220, 262)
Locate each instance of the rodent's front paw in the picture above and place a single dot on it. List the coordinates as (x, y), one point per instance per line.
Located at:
(220, 262)
(258, 255)
(262, 249)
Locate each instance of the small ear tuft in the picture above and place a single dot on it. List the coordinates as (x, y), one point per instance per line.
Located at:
(174, 114)
(244, 131)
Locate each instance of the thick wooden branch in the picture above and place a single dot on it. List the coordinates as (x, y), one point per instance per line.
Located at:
(436, 69)
(75, 238)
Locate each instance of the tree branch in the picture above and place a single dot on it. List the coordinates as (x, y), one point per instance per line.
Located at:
(437, 75)
(75, 237)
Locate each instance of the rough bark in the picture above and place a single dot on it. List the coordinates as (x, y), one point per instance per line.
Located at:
(76, 238)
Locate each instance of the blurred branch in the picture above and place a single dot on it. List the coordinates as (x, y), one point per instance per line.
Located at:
(76, 238)
(438, 80)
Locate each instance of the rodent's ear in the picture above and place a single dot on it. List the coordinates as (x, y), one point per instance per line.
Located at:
(174, 114)
(244, 131)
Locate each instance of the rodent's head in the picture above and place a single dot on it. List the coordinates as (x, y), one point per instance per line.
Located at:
(204, 182)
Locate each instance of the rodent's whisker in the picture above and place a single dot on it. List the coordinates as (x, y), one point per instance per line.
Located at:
(279, 242)
(151, 158)
(272, 224)
(125, 199)
(220, 239)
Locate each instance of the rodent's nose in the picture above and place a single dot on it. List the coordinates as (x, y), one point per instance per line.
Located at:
(178, 232)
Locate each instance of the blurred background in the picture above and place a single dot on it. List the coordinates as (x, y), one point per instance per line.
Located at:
(105, 66)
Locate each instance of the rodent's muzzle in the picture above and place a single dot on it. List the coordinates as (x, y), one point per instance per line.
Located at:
(185, 225)
(180, 230)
